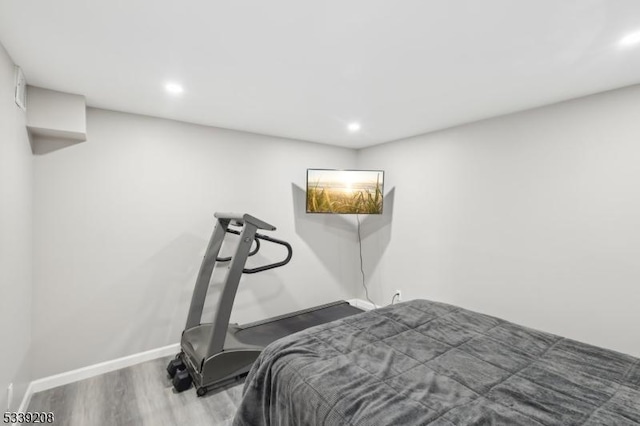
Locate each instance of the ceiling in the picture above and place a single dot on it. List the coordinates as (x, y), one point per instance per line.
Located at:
(306, 69)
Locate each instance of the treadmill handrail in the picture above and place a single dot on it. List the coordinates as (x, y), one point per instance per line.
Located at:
(257, 239)
(271, 265)
(251, 253)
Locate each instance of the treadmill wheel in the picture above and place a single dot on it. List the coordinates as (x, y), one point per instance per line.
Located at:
(182, 381)
(174, 366)
(202, 391)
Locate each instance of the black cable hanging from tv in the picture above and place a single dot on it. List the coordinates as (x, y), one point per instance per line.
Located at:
(364, 285)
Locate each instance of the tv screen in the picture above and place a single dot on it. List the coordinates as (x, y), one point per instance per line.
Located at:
(345, 191)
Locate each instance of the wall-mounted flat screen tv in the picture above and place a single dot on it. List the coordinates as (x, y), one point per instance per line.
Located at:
(345, 191)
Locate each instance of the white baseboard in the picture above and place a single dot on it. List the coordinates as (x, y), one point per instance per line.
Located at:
(94, 370)
(362, 304)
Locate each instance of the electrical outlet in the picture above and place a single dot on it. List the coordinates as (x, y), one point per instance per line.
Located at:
(398, 295)
(9, 396)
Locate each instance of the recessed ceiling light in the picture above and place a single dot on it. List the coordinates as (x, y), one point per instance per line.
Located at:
(630, 39)
(353, 127)
(173, 88)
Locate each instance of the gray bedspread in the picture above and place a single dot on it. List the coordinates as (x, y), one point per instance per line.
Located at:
(427, 363)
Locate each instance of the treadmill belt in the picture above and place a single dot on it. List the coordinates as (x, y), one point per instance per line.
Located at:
(262, 334)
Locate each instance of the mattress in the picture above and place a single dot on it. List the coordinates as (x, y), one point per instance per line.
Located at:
(429, 363)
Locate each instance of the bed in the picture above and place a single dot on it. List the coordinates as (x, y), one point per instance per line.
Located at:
(429, 363)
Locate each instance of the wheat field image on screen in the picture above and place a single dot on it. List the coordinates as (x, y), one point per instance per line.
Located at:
(344, 191)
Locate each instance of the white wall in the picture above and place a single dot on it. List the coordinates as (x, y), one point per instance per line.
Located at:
(531, 217)
(122, 221)
(534, 217)
(16, 183)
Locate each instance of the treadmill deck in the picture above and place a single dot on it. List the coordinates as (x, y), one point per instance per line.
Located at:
(262, 333)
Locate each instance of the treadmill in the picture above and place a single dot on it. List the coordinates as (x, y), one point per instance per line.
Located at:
(215, 354)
